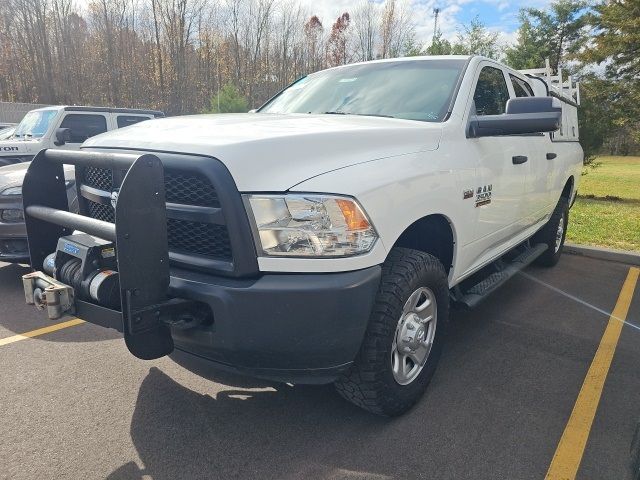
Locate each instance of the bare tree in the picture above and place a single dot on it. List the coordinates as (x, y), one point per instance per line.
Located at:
(337, 44)
(175, 55)
(314, 32)
(396, 29)
(365, 26)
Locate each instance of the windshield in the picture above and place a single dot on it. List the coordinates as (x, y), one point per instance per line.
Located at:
(35, 123)
(6, 133)
(412, 90)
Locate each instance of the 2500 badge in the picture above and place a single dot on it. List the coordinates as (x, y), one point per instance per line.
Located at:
(483, 195)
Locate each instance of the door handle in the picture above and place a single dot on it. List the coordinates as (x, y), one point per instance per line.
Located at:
(518, 159)
(551, 156)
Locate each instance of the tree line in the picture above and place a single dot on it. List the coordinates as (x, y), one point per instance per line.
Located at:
(175, 54)
(189, 56)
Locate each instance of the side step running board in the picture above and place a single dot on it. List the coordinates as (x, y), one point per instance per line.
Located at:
(472, 296)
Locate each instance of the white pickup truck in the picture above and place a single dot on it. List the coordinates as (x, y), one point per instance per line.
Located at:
(322, 238)
(65, 127)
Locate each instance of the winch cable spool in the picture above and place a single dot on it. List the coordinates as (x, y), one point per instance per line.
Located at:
(101, 285)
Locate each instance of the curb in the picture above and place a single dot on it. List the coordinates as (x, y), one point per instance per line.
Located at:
(608, 254)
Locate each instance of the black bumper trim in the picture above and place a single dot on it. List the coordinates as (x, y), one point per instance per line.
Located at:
(280, 325)
(204, 367)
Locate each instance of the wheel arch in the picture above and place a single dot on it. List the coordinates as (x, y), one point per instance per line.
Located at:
(433, 234)
(567, 190)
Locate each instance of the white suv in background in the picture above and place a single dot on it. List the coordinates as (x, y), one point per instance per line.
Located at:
(65, 127)
(50, 127)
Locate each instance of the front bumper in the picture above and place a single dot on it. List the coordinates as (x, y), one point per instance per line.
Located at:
(298, 328)
(289, 327)
(13, 235)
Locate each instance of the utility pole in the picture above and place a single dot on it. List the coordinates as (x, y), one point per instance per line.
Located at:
(436, 12)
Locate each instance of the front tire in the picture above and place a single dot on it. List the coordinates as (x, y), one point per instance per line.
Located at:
(404, 339)
(553, 234)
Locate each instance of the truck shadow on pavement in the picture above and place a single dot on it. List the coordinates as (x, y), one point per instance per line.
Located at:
(495, 389)
(283, 432)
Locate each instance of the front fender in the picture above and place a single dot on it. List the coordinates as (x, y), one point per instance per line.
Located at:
(395, 192)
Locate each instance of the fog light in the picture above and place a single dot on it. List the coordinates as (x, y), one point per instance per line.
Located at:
(12, 215)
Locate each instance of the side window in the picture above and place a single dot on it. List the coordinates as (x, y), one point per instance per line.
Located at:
(84, 126)
(522, 88)
(491, 93)
(126, 120)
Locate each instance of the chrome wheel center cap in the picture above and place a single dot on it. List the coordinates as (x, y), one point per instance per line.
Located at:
(413, 333)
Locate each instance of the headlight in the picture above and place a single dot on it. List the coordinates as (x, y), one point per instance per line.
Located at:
(311, 225)
(12, 191)
(12, 215)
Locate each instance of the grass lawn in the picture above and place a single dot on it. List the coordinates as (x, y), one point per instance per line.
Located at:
(607, 212)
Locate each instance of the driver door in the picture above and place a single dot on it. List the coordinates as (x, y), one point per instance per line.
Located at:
(500, 181)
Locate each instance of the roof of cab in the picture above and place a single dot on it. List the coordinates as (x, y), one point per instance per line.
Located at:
(75, 108)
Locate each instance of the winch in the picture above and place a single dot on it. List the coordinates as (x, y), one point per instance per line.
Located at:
(88, 264)
(106, 273)
(83, 262)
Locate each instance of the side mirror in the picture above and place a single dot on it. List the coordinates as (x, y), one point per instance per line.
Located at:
(523, 115)
(63, 135)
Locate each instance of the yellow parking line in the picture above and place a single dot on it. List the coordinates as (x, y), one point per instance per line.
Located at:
(568, 456)
(40, 331)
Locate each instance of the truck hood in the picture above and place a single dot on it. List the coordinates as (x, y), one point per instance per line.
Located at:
(13, 175)
(16, 146)
(270, 152)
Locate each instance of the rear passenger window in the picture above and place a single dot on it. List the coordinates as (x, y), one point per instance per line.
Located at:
(491, 93)
(522, 88)
(126, 120)
(84, 126)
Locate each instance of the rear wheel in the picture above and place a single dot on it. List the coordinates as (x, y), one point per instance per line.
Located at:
(404, 338)
(553, 234)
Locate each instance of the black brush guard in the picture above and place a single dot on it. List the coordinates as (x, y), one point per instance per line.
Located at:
(139, 234)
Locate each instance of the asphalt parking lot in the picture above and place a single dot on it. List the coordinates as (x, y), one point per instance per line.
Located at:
(76, 404)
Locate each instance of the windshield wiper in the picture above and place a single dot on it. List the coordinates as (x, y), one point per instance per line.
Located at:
(360, 114)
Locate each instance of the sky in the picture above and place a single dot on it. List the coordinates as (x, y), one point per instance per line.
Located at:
(497, 15)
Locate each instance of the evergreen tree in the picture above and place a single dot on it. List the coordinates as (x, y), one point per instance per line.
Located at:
(228, 100)
(617, 38)
(476, 39)
(556, 33)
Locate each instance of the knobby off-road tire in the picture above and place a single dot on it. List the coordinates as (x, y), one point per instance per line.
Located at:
(553, 234)
(371, 382)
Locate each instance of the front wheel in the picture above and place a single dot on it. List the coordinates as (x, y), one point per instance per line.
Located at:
(404, 339)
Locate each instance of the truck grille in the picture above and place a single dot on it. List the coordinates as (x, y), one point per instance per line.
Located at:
(189, 189)
(100, 178)
(180, 187)
(101, 212)
(186, 237)
(199, 238)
